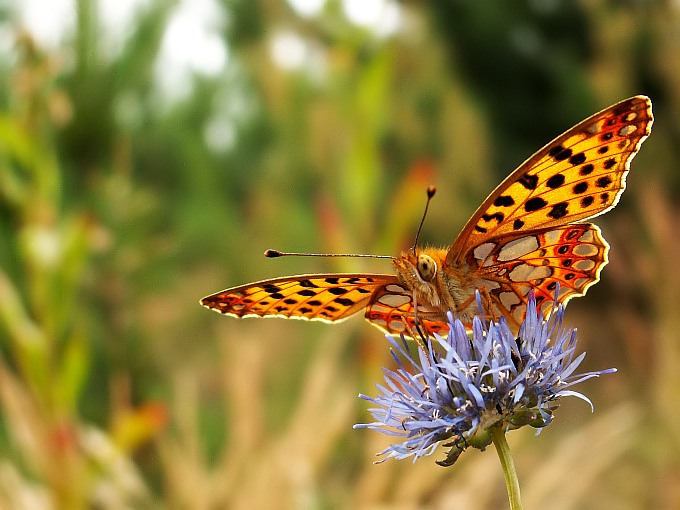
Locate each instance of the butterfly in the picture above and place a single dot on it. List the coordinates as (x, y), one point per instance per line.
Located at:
(530, 234)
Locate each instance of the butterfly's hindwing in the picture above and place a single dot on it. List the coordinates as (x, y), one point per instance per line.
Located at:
(509, 267)
(326, 297)
(391, 309)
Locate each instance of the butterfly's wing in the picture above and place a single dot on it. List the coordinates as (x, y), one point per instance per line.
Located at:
(523, 236)
(325, 297)
(392, 309)
(570, 256)
(577, 176)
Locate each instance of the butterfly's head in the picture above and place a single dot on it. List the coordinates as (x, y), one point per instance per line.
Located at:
(419, 272)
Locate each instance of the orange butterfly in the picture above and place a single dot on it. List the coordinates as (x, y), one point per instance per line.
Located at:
(527, 235)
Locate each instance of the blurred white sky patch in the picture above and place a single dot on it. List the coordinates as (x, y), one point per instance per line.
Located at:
(381, 16)
(117, 16)
(289, 50)
(307, 8)
(220, 135)
(191, 44)
(292, 52)
(47, 20)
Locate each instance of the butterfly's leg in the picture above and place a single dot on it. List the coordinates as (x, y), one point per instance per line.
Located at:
(486, 303)
(417, 336)
(421, 340)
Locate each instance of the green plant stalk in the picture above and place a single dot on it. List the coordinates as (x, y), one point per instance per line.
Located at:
(511, 481)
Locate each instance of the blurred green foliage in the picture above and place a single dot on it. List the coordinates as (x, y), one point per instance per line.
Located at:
(121, 205)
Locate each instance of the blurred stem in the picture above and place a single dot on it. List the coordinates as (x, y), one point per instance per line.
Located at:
(511, 481)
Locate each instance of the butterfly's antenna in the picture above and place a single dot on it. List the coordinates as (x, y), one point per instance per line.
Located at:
(431, 190)
(276, 253)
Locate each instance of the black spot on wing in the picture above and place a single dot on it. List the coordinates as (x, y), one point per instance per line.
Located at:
(603, 181)
(562, 155)
(555, 181)
(587, 201)
(580, 187)
(534, 204)
(555, 150)
(337, 291)
(344, 301)
(528, 181)
(559, 210)
(572, 234)
(577, 159)
(586, 169)
(504, 201)
(499, 216)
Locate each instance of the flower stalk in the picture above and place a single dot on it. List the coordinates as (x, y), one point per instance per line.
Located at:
(508, 465)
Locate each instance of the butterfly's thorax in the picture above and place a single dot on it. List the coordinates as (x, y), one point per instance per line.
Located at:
(448, 288)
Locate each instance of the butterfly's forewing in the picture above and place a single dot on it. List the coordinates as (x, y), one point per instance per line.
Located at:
(578, 175)
(571, 256)
(392, 310)
(326, 297)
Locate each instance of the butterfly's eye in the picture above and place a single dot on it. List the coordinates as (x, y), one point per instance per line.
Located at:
(427, 267)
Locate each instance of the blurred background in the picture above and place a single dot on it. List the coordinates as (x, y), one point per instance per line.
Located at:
(151, 150)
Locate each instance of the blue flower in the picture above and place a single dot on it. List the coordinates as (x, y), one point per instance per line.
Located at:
(462, 387)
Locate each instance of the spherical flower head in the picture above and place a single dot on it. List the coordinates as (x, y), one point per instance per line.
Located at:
(460, 388)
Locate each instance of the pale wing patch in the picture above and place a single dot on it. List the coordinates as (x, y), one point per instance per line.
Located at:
(526, 273)
(517, 248)
(397, 326)
(585, 250)
(552, 236)
(509, 299)
(587, 237)
(482, 251)
(585, 265)
(394, 300)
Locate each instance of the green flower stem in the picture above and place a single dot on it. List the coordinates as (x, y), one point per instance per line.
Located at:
(511, 481)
